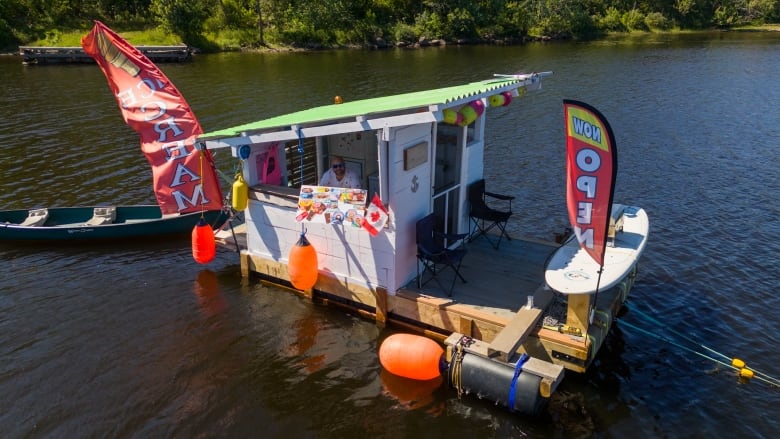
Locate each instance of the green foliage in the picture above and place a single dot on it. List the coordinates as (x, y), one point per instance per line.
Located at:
(235, 14)
(53, 38)
(657, 21)
(692, 13)
(765, 11)
(404, 32)
(725, 17)
(301, 34)
(634, 20)
(185, 18)
(459, 24)
(562, 19)
(583, 26)
(429, 25)
(327, 23)
(6, 33)
(612, 21)
(514, 19)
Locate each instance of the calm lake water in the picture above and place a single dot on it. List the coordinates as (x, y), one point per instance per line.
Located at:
(140, 341)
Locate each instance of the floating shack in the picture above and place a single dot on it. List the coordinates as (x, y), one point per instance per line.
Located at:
(417, 155)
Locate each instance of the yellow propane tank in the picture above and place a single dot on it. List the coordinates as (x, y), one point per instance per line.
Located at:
(240, 193)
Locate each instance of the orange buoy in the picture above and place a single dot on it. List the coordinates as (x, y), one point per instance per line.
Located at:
(302, 264)
(204, 246)
(411, 356)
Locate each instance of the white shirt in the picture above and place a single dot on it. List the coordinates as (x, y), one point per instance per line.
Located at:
(350, 180)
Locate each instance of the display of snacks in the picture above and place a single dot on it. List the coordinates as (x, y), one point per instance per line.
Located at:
(331, 205)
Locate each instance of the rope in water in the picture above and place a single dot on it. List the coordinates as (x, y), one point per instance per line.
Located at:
(733, 363)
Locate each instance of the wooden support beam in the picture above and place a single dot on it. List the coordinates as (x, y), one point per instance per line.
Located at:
(578, 310)
(381, 307)
(466, 326)
(551, 374)
(514, 334)
(245, 269)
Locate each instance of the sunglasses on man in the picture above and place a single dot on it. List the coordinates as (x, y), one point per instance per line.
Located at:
(338, 165)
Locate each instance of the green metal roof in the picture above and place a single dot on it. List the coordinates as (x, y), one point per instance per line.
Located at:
(385, 104)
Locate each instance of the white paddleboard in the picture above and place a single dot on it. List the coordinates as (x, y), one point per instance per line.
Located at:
(572, 271)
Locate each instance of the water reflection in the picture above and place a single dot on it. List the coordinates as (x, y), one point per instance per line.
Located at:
(210, 298)
(413, 394)
(306, 330)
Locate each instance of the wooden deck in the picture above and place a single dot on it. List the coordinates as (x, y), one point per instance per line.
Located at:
(66, 55)
(489, 307)
(497, 281)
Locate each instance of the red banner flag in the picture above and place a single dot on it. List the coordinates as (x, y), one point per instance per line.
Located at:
(591, 168)
(185, 179)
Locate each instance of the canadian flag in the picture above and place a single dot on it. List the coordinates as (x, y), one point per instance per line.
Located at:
(376, 216)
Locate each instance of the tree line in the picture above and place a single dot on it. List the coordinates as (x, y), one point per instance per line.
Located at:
(333, 23)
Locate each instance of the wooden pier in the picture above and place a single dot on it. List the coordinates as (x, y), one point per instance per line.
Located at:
(76, 55)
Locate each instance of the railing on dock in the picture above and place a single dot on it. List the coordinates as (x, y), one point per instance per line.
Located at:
(61, 55)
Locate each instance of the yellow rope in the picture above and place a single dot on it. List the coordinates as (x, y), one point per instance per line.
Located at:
(456, 374)
(736, 364)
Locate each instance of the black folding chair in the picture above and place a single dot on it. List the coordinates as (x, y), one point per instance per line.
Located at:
(483, 217)
(433, 255)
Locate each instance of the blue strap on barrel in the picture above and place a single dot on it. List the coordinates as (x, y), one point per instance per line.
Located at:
(518, 369)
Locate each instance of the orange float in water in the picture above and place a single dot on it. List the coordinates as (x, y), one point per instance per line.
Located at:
(411, 356)
(204, 246)
(302, 264)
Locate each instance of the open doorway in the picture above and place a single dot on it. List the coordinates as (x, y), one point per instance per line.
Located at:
(447, 172)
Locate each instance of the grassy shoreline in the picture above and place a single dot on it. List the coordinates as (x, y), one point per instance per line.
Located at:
(157, 37)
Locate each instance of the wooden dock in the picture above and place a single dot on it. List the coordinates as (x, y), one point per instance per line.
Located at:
(490, 307)
(76, 55)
